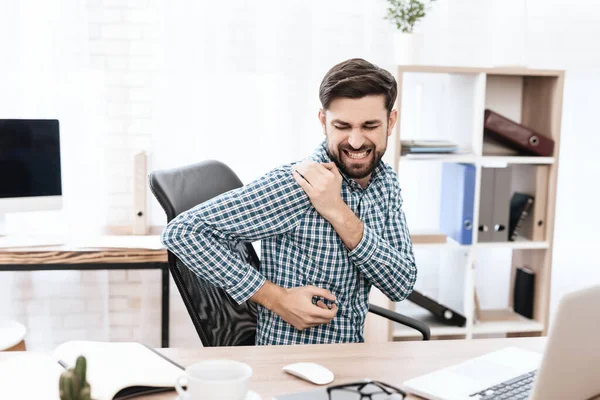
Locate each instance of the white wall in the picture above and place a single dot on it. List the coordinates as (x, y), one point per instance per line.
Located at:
(238, 81)
(43, 65)
(156, 71)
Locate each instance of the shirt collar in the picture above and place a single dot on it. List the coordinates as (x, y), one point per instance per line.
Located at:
(320, 155)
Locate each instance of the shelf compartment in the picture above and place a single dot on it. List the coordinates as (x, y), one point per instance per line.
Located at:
(499, 321)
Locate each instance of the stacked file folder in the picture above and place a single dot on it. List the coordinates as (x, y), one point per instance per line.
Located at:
(457, 201)
(427, 146)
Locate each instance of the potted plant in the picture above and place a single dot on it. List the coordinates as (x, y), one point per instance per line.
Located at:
(73, 384)
(404, 14)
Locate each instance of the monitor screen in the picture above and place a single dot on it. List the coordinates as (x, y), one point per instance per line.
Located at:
(29, 158)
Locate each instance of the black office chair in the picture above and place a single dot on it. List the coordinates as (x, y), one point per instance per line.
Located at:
(218, 319)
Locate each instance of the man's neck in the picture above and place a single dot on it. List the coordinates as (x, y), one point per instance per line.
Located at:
(363, 182)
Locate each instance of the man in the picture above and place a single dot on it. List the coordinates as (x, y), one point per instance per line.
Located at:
(331, 226)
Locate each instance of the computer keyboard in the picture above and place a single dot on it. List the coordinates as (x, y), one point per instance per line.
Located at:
(515, 389)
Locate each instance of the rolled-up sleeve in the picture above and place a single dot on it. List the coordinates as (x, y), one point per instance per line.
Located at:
(203, 237)
(387, 260)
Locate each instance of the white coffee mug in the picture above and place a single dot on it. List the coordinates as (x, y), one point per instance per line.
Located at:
(215, 379)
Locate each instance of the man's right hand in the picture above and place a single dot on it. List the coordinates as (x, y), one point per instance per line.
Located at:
(295, 305)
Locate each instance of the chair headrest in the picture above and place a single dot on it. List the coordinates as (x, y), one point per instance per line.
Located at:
(179, 189)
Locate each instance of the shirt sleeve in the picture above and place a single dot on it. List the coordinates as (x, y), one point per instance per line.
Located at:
(387, 260)
(202, 237)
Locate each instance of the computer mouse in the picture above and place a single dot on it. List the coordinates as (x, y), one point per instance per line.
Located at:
(311, 372)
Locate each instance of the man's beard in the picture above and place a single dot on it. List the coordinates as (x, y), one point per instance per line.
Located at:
(357, 172)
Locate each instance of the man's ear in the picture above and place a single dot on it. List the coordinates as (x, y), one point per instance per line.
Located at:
(392, 121)
(322, 119)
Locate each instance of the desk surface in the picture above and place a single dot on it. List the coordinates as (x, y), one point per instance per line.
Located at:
(389, 362)
(98, 250)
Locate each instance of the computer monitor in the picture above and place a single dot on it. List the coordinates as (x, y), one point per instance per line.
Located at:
(30, 168)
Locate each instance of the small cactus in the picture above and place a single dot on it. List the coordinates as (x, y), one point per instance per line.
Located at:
(72, 384)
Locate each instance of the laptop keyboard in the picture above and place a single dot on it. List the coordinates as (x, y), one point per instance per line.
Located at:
(515, 389)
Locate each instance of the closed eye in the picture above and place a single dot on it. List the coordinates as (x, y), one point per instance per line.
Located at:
(343, 128)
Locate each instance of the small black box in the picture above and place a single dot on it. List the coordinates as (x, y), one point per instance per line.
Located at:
(523, 294)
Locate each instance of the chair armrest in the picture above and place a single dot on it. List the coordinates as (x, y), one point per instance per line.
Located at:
(401, 319)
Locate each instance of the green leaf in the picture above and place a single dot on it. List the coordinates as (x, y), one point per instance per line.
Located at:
(80, 369)
(406, 13)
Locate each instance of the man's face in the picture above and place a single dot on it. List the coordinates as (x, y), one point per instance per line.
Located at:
(357, 131)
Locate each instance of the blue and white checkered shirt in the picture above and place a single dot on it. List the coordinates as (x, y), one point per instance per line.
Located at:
(299, 248)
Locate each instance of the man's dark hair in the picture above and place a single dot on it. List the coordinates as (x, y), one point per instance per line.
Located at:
(356, 78)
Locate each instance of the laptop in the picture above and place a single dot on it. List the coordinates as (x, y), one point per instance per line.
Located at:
(568, 369)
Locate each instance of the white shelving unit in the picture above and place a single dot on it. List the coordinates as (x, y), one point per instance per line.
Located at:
(448, 103)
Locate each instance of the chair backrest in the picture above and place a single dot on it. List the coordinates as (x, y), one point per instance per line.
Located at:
(218, 319)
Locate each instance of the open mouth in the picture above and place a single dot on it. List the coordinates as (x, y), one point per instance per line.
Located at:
(357, 155)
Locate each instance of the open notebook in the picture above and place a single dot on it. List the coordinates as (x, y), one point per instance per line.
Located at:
(115, 371)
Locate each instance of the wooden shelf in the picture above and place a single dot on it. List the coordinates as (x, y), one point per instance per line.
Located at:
(484, 161)
(494, 322)
(438, 328)
(518, 71)
(521, 244)
(449, 244)
(533, 160)
(518, 244)
(457, 158)
(505, 321)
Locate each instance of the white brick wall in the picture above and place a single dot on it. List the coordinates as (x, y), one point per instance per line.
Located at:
(122, 35)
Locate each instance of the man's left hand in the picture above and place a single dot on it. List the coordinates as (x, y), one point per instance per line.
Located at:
(323, 185)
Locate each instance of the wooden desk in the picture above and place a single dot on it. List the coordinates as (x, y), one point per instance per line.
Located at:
(392, 362)
(65, 257)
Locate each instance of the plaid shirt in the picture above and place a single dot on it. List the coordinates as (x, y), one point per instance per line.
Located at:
(299, 248)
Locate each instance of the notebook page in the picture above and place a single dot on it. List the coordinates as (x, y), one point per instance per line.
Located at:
(30, 376)
(114, 366)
